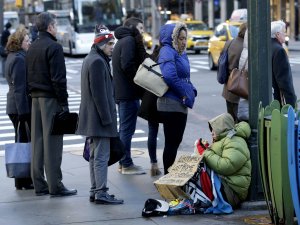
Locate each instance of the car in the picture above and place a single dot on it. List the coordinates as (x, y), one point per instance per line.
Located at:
(147, 40)
(223, 32)
(198, 35)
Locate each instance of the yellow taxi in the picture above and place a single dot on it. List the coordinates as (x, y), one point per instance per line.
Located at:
(198, 35)
(223, 32)
(147, 40)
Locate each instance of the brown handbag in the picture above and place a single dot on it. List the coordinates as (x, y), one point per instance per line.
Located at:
(238, 82)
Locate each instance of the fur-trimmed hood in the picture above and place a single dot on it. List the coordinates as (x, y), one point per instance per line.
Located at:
(169, 34)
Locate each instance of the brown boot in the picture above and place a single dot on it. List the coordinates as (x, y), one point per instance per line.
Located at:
(154, 170)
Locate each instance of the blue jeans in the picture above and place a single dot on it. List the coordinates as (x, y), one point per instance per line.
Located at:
(128, 111)
(152, 140)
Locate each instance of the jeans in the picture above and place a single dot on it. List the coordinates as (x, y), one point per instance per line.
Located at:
(174, 126)
(152, 140)
(128, 111)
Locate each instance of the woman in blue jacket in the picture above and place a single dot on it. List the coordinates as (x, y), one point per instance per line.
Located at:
(173, 106)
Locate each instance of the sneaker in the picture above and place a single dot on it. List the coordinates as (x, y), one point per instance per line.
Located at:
(154, 171)
(133, 170)
(107, 199)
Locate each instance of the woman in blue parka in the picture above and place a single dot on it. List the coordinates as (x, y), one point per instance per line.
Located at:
(173, 106)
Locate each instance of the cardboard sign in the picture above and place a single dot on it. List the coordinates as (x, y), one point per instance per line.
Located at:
(170, 185)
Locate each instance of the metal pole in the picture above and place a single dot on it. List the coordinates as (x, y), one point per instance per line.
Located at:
(260, 79)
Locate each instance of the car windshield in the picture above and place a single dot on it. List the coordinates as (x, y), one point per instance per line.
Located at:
(234, 31)
(196, 26)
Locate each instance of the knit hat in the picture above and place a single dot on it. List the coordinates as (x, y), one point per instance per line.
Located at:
(102, 35)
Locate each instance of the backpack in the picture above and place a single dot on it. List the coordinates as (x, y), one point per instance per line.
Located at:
(222, 74)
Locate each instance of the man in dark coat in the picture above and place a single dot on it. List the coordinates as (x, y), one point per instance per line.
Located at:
(5, 34)
(47, 84)
(97, 114)
(282, 80)
(125, 63)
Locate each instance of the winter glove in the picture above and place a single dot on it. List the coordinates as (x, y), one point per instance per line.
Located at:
(64, 113)
(202, 145)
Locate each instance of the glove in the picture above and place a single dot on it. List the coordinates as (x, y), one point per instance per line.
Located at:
(202, 145)
(64, 113)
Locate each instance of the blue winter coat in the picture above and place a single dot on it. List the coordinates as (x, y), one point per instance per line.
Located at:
(176, 71)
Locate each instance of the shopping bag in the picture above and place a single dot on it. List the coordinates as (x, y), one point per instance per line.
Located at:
(117, 150)
(18, 156)
(17, 160)
(238, 82)
(149, 77)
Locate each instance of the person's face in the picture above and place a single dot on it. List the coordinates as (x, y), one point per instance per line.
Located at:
(281, 36)
(182, 38)
(25, 43)
(214, 135)
(109, 47)
(140, 28)
(52, 28)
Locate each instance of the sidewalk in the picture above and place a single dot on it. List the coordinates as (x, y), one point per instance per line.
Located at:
(23, 207)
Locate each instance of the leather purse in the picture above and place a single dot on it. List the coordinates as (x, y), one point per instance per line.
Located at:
(149, 77)
(238, 82)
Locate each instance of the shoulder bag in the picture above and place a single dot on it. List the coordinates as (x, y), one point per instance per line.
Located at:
(149, 77)
(238, 82)
(18, 156)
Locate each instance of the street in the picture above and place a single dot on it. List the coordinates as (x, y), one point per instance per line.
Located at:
(209, 103)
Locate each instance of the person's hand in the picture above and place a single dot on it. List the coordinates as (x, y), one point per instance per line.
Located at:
(63, 114)
(202, 145)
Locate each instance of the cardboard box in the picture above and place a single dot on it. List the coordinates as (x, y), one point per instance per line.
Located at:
(170, 185)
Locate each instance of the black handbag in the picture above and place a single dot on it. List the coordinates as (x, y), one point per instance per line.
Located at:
(65, 125)
(117, 150)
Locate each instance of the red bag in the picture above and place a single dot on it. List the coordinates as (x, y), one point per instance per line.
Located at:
(206, 184)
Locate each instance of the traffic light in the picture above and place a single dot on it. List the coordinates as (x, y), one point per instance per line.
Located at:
(19, 3)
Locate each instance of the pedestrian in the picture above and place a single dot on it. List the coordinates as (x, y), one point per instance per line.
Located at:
(148, 110)
(97, 113)
(5, 34)
(47, 85)
(243, 105)
(173, 105)
(229, 156)
(235, 48)
(127, 94)
(18, 106)
(282, 80)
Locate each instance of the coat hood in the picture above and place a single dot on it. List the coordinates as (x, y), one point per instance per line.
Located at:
(223, 125)
(122, 32)
(169, 34)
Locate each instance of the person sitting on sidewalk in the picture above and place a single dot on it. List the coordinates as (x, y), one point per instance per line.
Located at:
(229, 156)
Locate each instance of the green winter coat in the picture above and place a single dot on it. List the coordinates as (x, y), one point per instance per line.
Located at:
(229, 155)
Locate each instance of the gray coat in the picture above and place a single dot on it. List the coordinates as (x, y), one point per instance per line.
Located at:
(97, 113)
(18, 100)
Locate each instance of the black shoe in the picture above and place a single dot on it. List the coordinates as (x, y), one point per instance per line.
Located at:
(64, 192)
(107, 199)
(92, 197)
(41, 193)
(28, 187)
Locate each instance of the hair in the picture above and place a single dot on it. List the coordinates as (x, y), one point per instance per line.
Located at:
(277, 26)
(132, 22)
(15, 40)
(242, 30)
(8, 25)
(43, 20)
